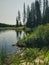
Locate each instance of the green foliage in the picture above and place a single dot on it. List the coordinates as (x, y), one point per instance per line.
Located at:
(38, 38)
(12, 28)
(2, 57)
(30, 53)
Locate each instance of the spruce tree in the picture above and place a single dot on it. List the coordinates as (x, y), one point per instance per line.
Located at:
(17, 24)
(24, 15)
(33, 14)
(28, 16)
(47, 12)
(28, 10)
(19, 15)
(38, 13)
(44, 7)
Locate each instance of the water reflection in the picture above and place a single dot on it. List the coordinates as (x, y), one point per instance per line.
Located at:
(9, 37)
(20, 35)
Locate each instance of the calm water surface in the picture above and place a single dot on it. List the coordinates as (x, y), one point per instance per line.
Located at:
(8, 38)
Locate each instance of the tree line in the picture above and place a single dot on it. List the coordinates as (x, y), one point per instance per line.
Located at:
(6, 25)
(34, 15)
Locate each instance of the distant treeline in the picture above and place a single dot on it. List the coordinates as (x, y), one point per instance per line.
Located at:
(6, 25)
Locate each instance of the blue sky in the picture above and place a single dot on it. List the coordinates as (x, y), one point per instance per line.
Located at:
(9, 9)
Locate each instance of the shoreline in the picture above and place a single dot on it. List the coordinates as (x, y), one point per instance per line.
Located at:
(22, 28)
(12, 28)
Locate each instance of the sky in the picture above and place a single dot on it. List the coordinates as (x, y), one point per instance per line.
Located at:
(9, 10)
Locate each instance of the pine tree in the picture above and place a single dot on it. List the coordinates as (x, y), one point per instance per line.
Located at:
(47, 12)
(44, 7)
(40, 2)
(38, 13)
(29, 22)
(46, 4)
(17, 24)
(28, 10)
(19, 15)
(24, 15)
(33, 14)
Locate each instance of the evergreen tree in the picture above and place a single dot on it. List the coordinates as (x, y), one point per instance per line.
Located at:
(44, 7)
(17, 24)
(46, 4)
(47, 12)
(20, 24)
(29, 22)
(47, 15)
(19, 15)
(33, 14)
(40, 2)
(24, 15)
(28, 10)
(38, 13)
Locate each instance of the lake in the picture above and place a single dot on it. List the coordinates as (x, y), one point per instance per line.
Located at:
(8, 38)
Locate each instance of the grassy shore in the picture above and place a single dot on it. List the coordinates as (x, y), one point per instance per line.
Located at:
(29, 56)
(36, 50)
(16, 28)
(38, 38)
(11, 28)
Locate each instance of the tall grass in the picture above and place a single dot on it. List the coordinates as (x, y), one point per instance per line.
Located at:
(3, 56)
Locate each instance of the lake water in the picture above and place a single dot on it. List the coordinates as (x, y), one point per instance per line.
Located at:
(8, 38)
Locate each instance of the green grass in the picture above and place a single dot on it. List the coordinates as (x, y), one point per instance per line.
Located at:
(28, 56)
(39, 36)
(12, 28)
(16, 28)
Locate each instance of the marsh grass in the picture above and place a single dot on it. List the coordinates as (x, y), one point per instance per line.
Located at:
(3, 56)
